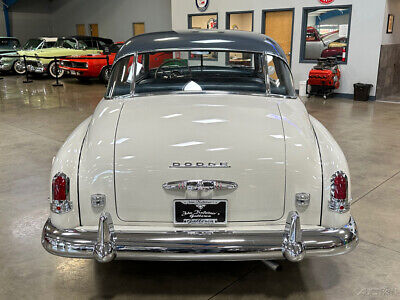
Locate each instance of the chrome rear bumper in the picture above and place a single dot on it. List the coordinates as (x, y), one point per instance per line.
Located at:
(291, 243)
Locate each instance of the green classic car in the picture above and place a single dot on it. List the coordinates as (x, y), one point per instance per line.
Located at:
(44, 60)
(14, 63)
(8, 46)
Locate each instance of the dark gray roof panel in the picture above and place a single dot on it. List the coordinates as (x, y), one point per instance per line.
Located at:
(201, 40)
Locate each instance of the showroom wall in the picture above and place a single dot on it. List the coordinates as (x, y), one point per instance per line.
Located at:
(28, 19)
(388, 82)
(392, 7)
(365, 34)
(114, 18)
(59, 17)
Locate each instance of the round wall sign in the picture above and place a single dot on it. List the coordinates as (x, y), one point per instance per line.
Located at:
(202, 5)
(326, 1)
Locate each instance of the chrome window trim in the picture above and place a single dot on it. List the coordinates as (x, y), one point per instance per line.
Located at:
(133, 94)
(127, 96)
(133, 83)
(266, 75)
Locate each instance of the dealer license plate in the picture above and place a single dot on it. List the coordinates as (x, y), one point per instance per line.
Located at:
(200, 212)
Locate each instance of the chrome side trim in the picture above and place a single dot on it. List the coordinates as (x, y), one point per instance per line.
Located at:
(200, 245)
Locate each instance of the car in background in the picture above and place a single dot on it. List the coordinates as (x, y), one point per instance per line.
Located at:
(8, 46)
(66, 46)
(317, 43)
(336, 49)
(89, 66)
(97, 66)
(15, 64)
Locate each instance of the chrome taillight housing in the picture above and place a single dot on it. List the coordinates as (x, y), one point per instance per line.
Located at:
(60, 202)
(339, 200)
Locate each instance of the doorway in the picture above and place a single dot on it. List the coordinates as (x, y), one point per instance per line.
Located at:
(80, 29)
(138, 28)
(94, 29)
(278, 24)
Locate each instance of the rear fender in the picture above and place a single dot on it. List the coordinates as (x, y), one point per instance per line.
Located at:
(333, 160)
(67, 162)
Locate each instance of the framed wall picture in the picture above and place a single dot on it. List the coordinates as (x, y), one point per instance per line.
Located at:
(202, 5)
(390, 24)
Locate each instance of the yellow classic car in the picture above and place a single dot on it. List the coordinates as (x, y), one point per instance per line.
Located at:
(44, 60)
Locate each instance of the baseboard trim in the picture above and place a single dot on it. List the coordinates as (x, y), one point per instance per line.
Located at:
(346, 96)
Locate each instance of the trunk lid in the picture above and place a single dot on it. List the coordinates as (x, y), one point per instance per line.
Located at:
(157, 132)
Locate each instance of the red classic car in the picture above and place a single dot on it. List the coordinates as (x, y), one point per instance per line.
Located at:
(91, 66)
(336, 49)
(96, 66)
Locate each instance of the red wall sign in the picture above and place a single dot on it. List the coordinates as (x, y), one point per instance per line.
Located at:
(326, 1)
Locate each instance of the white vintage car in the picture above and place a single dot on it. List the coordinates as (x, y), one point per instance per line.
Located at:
(198, 159)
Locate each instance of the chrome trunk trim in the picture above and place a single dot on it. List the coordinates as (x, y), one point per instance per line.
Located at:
(199, 185)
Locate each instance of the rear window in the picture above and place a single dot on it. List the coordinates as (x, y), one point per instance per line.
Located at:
(200, 71)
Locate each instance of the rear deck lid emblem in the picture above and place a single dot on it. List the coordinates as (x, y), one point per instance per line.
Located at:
(199, 165)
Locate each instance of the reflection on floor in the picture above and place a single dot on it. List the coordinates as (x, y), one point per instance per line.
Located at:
(36, 118)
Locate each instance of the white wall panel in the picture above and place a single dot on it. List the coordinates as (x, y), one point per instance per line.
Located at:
(115, 18)
(365, 36)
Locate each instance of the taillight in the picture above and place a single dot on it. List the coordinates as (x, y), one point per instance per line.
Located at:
(339, 201)
(60, 194)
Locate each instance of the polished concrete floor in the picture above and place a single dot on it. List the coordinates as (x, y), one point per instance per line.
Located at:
(36, 118)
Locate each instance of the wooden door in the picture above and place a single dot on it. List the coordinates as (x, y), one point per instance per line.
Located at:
(138, 28)
(80, 29)
(94, 29)
(279, 26)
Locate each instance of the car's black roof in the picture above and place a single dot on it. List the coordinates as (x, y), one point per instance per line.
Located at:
(202, 40)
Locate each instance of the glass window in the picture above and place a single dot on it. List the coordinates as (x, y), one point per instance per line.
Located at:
(204, 21)
(9, 44)
(114, 48)
(121, 77)
(87, 44)
(32, 44)
(176, 72)
(102, 44)
(326, 33)
(49, 44)
(66, 43)
(239, 21)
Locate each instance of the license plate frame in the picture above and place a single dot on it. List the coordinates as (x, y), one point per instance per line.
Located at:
(220, 206)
